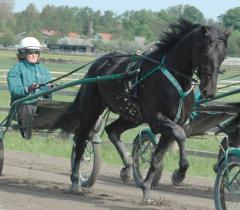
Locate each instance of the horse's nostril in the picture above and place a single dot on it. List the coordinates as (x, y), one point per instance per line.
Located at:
(205, 93)
(208, 94)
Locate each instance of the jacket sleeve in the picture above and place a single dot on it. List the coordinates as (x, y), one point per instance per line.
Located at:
(15, 84)
(46, 77)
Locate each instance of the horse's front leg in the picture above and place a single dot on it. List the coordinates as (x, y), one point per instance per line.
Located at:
(180, 173)
(157, 157)
(79, 150)
(170, 131)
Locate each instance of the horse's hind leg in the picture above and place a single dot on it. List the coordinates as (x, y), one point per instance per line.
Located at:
(114, 131)
(89, 115)
(82, 135)
(80, 145)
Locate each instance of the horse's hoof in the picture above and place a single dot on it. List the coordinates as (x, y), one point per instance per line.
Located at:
(148, 201)
(126, 174)
(177, 177)
(75, 188)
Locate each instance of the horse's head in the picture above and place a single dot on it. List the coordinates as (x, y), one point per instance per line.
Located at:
(209, 56)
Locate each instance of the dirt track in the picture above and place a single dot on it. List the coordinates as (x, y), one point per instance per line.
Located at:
(42, 183)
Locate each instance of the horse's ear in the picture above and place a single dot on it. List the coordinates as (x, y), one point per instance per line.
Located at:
(229, 30)
(204, 30)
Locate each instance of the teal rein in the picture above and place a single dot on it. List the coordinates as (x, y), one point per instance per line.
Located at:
(175, 83)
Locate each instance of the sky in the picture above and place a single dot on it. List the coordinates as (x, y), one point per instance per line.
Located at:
(209, 8)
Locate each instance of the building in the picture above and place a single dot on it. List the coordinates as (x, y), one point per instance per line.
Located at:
(104, 36)
(70, 48)
(49, 33)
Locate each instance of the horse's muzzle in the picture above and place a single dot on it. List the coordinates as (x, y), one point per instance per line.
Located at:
(208, 92)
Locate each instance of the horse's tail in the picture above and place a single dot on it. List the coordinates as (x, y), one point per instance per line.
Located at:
(69, 120)
(86, 106)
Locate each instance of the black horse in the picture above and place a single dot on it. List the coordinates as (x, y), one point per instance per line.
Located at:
(160, 95)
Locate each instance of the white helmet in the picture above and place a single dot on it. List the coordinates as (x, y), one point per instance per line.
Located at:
(29, 43)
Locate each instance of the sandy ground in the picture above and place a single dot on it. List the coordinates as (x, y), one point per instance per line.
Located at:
(42, 183)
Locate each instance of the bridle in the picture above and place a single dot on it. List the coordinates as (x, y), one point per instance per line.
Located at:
(196, 68)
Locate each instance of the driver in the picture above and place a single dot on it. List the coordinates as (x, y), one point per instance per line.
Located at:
(24, 78)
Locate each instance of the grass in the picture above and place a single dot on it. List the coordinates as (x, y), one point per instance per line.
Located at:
(5, 98)
(62, 148)
(38, 145)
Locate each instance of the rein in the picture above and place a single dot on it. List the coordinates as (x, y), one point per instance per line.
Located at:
(67, 74)
(133, 60)
(75, 70)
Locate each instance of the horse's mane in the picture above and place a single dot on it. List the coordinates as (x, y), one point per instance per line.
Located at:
(176, 31)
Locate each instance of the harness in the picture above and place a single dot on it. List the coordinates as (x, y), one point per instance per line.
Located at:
(178, 87)
(172, 79)
(133, 80)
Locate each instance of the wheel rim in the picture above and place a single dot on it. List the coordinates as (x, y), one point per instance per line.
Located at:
(229, 188)
(143, 159)
(87, 163)
(1, 156)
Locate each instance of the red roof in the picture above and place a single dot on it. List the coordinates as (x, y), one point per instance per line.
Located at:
(49, 32)
(73, 35)
(105, 36)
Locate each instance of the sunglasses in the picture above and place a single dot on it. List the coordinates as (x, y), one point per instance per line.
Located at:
(31, 51)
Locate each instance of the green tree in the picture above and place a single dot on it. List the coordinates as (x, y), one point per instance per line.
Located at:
(66, 20)
(231, 17)
(49, 17)
(108, 22)
(6, 12)
(8, 39)
(174, 12)
(84, 17)
(192, 14)
(140, 23)
(63, 18)
(27, 20)
(234, 44)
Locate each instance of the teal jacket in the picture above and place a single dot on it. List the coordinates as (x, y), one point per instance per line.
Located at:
(23, 74)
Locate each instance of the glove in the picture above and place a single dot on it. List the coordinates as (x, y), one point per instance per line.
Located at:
(31, 88)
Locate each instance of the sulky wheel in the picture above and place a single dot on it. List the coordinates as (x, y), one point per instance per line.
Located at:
(1, 156)
(227, 185)
(90, 164)
(142, 151)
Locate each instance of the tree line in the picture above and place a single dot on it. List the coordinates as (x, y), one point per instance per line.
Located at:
(87, 22)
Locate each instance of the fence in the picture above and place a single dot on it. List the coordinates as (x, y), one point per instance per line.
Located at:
(233, 62)
(55, 74)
